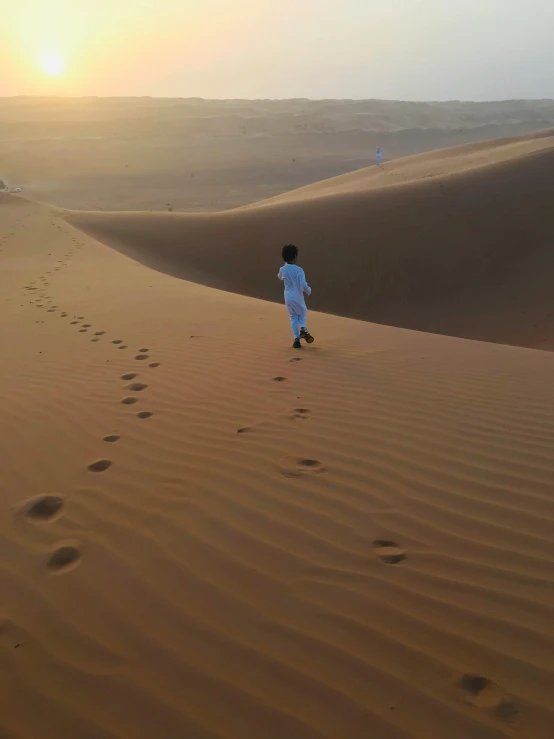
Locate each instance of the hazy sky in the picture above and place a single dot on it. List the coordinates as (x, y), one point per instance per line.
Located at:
(401, 49)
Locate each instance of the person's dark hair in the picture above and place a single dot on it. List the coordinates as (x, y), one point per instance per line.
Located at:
(290, 252)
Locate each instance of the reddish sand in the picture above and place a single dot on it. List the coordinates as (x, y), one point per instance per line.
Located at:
(350, 541)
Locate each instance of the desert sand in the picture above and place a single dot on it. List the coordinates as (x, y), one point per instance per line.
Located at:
(457, 241)
(195, 155)
(205, 534)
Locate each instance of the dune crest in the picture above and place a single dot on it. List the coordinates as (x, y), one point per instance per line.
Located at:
(455, 242)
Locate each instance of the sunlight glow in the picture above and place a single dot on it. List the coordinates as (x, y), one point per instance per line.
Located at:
(52, 63)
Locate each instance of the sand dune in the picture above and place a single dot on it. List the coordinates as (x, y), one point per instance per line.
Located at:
(456, 242)
(371, 556)
(209, 155)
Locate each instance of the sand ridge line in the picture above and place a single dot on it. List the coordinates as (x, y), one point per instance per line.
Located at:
(450, 261)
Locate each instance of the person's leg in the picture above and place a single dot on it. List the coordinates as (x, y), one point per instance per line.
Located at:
(295, 327)
(294, 323)
(296, 331)
(304, 333)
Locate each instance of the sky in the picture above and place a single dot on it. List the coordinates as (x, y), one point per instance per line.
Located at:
(391, 49)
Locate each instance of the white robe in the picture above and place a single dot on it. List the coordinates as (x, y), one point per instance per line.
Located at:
(295, 286)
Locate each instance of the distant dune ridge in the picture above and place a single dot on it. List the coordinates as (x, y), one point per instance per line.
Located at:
(458, 241)
(194, 155)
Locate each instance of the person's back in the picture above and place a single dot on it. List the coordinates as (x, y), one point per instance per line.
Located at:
(294, 279)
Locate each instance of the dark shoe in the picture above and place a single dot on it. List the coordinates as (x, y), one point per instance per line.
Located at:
(306, 335)
(297, 344)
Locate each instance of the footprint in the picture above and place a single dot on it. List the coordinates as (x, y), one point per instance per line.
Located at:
(136, 387)
(154, 364)
(295, 359)
(129, 401)
(95, 339)
(141, 356)
(80, 318)
(129, 376)
(100, 466)
(299, 466)
(244, 429)
(483, 693)
(51, 310)
(303, 413)
(63, 315)
(144, 414)
(81, 330)
(123, 346)
(143, 351)
(117, 341)
(87, 325)
(43, 507)
(388, 551)
(64, 558)
(73, 323)
(99, 333)
(279, 379)
(111, 438)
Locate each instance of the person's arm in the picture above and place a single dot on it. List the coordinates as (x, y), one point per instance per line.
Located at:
(305, 287)
(280, 275)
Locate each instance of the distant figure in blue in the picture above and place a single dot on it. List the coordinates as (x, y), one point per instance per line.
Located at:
(378, 154)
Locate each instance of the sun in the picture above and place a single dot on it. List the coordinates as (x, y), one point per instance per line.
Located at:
(52, 63)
